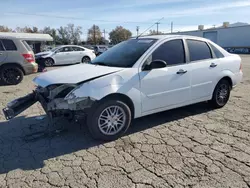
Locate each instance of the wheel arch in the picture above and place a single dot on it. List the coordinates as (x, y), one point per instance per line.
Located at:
(85, 56)
(229, 79)
(13, 64)
(49, 57)
(124, 98)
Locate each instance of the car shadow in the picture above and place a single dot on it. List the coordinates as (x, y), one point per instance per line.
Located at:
(25, 144)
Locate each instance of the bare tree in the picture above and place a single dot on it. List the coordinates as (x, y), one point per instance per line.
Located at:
(26, 30)
(154, 32)
(74, 33)
(5, 29)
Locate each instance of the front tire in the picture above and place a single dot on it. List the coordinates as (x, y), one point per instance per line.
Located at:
(221, 94)
(11, 75)
(49, 62)
(109, 120)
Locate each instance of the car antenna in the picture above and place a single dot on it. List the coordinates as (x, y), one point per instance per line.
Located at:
(149, 28)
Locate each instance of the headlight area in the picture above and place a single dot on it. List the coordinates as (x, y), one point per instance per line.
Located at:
(61, 101)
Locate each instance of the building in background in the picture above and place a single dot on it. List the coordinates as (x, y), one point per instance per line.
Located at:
(235, 38)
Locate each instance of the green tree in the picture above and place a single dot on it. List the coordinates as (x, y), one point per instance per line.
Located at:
(63, 35)
(119, 34)
(94, 35)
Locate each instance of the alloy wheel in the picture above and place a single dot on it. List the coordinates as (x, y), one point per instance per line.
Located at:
(11, 76)
(111, 120)
(222, 94)
(49, 62)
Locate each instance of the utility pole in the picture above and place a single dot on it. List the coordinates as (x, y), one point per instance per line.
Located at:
(172, 25)
(137, 30)
(94, 36)
(157, 24)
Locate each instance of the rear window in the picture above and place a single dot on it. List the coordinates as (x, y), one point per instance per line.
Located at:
(27, 46)
(9, 45)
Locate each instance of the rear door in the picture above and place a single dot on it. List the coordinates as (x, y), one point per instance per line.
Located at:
(78, 54)
(204, 69)
(3, 54)
(64, 56)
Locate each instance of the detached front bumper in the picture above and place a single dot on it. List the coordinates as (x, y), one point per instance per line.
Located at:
(58, 106)
(17, 106)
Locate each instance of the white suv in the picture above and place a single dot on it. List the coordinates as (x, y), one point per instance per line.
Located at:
(135, 78)
(67, 54)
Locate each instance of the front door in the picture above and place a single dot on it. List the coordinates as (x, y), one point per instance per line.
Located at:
(204, 70)
(170, 86)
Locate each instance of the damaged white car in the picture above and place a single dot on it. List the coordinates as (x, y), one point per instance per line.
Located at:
(135, 78)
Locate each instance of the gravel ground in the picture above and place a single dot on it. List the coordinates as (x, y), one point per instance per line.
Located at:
(194, 146)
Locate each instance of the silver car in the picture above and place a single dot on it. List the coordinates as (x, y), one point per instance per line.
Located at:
(16, 59)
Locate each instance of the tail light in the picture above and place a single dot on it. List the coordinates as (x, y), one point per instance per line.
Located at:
(29, 58)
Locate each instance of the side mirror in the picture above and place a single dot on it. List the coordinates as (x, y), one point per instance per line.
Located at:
(156, 64)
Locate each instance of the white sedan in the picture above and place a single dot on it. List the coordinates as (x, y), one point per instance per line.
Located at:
(67, 54)
(135, 78)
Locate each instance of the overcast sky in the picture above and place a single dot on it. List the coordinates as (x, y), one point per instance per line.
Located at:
(185, 14)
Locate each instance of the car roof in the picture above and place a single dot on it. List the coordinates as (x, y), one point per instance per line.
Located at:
(26, 36)
(70, 46)
(170, 36)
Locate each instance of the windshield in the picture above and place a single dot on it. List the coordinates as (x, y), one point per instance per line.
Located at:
(124, 54)
(54, 49)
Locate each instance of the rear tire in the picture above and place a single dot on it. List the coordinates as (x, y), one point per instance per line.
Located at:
(11, 75)
(221, 94)
(109, 119)
(49, 62)
(85, 59)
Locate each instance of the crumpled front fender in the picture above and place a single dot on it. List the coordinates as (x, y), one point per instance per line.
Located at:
(97, 90)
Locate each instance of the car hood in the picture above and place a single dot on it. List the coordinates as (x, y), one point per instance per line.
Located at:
(74, 74)
(43, 53)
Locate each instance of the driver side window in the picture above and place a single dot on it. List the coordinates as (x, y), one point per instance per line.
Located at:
(172, 52)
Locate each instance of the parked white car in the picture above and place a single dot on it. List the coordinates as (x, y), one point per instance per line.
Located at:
(135, 78)
(67, 54)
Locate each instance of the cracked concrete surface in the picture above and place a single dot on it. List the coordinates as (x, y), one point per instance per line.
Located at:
(194, 146)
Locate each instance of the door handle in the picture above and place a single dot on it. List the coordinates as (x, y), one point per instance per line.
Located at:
(181, 71)
(1, 53)
(213, 65)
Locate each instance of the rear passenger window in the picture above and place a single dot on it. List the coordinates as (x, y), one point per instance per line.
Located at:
(198, 50)
(9, 45)
(1, 46)
(27, 46)
(172, 52)
(217, 52)
(77, 49)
